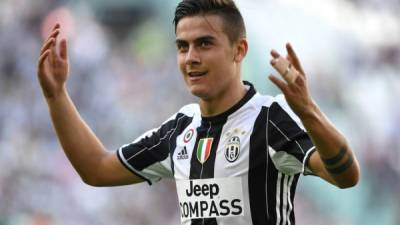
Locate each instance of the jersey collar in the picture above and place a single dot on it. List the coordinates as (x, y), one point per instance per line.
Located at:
(223, 116)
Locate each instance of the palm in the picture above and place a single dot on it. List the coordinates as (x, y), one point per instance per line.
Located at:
(53, 65)
(56, 72)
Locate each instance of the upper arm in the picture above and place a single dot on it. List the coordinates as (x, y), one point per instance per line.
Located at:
(317, 167)
(111, 172)
(344, 174)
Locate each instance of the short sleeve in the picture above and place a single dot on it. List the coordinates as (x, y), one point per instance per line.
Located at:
(289, 146)
(148, 156)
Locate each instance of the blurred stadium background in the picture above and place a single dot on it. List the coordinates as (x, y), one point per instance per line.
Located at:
(124, 80)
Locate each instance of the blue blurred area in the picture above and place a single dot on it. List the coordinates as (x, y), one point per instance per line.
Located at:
(124, 81)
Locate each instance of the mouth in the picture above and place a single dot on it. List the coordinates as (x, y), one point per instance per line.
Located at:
(197, 74)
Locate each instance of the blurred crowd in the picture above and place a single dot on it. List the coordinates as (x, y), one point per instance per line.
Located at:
(124, 81)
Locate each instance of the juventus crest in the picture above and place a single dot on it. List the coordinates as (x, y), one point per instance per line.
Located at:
(232, 149)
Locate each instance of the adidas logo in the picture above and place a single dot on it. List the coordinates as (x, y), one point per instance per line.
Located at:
(183, 154)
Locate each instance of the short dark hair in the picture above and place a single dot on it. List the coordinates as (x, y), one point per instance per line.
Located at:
(233, 23)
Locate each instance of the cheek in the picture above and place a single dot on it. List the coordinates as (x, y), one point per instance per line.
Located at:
(221, 63)
(180, 62)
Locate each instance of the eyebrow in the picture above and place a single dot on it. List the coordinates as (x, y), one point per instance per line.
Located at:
(180, 42)
(197, 40)
(204, 38)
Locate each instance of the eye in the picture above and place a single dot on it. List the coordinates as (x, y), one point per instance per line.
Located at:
(181, 47)
(205, 43)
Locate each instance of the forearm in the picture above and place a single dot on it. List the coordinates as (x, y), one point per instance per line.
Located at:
(337, 158)
(80, 144)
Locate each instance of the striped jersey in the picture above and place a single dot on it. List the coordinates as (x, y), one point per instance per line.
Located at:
(237, 168)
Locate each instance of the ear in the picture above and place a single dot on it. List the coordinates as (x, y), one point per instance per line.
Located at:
(241, 48)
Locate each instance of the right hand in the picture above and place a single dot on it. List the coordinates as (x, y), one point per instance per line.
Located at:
(52, 69)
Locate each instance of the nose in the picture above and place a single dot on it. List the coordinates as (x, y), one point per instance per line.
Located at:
(192, 56)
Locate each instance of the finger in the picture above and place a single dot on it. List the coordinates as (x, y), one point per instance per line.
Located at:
(289, 58)
(42, 58)
(53, 54)
(63, 49)
(54, 31)
(294, 59)
(279, 83)
(275, 54)
(285, 69)
(47, 45)
(56, 26)
(53, 34)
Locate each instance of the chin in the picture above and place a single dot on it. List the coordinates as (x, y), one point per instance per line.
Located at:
(199, 92)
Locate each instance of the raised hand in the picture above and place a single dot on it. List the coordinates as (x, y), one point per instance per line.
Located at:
(52, 68)
(294, 87)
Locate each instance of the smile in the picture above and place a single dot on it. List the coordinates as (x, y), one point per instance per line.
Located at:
(196, 74)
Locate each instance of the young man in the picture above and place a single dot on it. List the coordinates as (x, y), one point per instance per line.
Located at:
(237, 155)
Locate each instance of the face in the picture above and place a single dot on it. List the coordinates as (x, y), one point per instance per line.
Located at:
(206, 58)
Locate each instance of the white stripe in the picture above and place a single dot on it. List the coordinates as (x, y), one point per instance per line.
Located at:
(279, 130)
(306, 158)
(278, 199)
(266, 174)
(289, 200)
(284, 199)
(302, 150)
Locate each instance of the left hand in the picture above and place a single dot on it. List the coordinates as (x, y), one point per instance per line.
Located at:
(294, 87)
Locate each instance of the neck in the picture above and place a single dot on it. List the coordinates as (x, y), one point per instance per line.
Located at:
(224, 101)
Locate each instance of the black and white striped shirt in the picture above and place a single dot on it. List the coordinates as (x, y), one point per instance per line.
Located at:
(240, 167)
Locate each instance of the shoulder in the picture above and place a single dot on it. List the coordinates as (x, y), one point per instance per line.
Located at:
(275, 105)
(268, 100)
(261, 100)
(190, 110)
(187, 111)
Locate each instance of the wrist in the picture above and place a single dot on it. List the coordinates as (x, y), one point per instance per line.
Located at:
(56, 95)
(311, 113)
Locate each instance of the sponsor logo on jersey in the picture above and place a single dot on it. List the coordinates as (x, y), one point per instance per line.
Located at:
(232, 149)
(183, 154)
(204, 149)
(209, 198)
(188, 135)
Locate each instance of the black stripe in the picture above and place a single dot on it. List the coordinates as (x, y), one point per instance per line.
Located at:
(278, 117)
(281, 209)
(258, 170)
(183, 123)
(134, 172)
(196, 171)
(292, 194)
(272, 177)
(157, 142)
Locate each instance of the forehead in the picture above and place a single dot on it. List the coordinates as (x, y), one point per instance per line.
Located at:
(192, 27)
